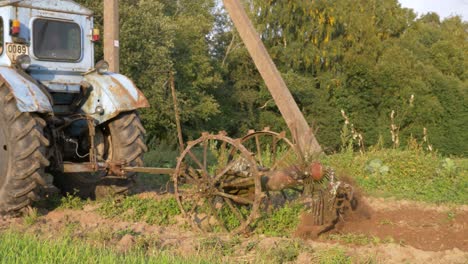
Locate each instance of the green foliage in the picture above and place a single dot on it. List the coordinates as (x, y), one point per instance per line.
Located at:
(376, 167)
(364, 58)
(412, 175)
(133, 208)
(448, 168)
(282, 221)
(70, 201)
(161, 36)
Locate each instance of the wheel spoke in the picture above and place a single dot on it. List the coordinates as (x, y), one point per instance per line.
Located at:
(235, 198)
(225, 170)
(213, 212)
(200, 165)
(273, 151)
(195, 205)
(205, 150)
(236, 211)
(239, 183)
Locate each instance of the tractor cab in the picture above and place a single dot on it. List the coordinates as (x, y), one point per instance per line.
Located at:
(50, 44)
(51, 40)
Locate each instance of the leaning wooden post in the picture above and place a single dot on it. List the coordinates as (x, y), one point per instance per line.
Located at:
(294, 118)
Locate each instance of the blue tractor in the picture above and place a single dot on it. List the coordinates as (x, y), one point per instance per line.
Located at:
(60, 113)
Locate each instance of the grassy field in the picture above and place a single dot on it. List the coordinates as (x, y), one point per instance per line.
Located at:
(406, 174)
(20, 248)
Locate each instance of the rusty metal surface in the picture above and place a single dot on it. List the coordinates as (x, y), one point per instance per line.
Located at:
(113, 92)
(149, 170)
(295, 120)
(29, 97)
(69, 167)
(113, 168)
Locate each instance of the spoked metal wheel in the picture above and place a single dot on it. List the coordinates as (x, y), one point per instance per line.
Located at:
(217, 184)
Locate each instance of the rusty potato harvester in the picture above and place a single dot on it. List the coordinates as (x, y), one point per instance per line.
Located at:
(225, 184)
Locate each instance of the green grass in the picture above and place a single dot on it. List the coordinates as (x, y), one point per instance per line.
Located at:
(17, 248)
(133, 208)
(281, 222)
(71, 202)
(332, 256)
(412, 175)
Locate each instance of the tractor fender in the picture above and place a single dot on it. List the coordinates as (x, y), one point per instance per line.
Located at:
(113, 93)
(29, 96)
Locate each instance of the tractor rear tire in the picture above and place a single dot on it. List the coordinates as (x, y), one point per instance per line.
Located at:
(125, 140)
(22, 155)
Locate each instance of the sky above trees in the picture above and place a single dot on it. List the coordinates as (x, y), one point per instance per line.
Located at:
(444, 8)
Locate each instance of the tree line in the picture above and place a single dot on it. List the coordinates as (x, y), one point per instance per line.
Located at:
(388, 70)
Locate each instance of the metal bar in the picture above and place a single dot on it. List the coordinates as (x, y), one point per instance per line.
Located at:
(295, 120)
(83, 167)
(149, 170)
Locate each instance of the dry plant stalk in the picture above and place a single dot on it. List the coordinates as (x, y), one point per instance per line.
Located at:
(426, 140)
(354, 134)
(395, 129)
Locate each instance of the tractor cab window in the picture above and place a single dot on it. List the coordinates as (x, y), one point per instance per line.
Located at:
(56, 40)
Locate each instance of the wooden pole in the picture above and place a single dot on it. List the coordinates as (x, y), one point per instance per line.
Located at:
(111, 34)
(294, 118)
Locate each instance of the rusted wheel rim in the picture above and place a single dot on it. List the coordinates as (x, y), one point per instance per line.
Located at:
(278, 149)
(210, 197)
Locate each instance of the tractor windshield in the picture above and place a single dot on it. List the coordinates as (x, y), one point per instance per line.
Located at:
(56, 40)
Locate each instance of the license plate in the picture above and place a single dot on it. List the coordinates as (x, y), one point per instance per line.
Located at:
(14, 50)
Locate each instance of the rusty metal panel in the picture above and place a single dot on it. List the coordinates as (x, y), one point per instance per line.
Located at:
(149, 170)
(114, 93)
(29, 97)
